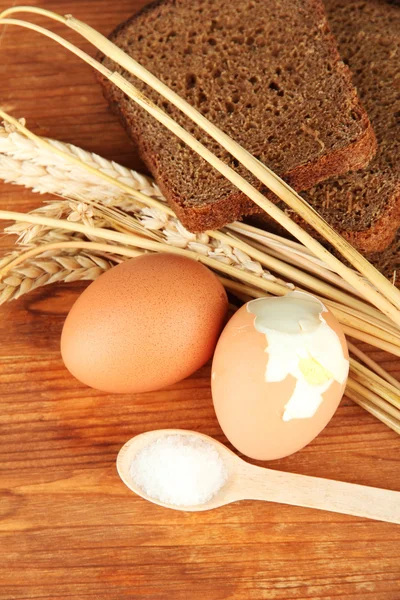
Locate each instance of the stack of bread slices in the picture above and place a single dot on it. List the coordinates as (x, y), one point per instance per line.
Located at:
(310, 88)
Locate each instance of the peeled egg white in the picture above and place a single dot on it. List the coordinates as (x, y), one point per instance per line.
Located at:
(279, 372)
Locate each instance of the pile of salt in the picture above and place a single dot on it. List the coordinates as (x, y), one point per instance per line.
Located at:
(182, 470)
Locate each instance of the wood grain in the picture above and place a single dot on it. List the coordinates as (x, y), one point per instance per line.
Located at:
(69, 528)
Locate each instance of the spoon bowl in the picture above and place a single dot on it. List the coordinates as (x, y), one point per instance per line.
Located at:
(249, 482)
(224, 496)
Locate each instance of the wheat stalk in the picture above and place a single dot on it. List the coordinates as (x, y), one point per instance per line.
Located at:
(45, 166)
(372, 392)
(24, 151)
(383, 335)
(373, 366)
(352, 326)
(147, 221)
(156, 220)
(164, 227)
(56, 254)
(387, 298)
(230, 250)
(367, 389)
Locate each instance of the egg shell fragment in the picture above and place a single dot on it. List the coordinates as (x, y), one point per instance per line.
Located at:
(250, 409)
(145, 324)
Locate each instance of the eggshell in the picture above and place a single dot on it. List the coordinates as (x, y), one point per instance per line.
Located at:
(145, 324)
(250, 409)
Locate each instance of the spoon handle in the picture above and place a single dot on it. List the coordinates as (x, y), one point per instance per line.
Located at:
(325, 494)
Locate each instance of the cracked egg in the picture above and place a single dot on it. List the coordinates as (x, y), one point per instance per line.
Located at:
(278, 374)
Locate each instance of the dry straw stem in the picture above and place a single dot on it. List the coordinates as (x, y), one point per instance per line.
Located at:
(388, 330)
(384, 376)
(78, 244)
(373, 365)
(122, 221)
(370, 339)
(391, 294)
(291, 252)
(278, 265)
(359, 329)
(348, 303)
(52, 267)
(240, 288)
(145, 244)
(368, 323)
(355, 307)
(323, 289)
(61, 262)
(374, 410)
(366, 393)
(266, 237)
(363, 323)
(286, 255)
(374, 383)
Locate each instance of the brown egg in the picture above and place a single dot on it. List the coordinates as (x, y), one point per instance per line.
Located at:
(145, 324)
(278, 374)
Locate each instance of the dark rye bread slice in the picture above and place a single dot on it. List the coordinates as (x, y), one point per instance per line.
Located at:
(267, 72)
(364, 206)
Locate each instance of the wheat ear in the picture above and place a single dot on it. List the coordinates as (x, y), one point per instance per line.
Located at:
(50, 166)
(53, 267)
(387, 298)
(227, 249)
(230, 249)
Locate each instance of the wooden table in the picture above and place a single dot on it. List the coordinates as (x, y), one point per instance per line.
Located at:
(69, 527)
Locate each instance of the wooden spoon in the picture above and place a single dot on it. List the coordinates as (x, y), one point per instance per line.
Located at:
(249, 482)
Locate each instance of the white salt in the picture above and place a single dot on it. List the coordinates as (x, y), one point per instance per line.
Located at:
(182, 470)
